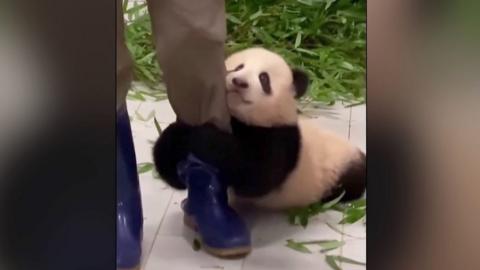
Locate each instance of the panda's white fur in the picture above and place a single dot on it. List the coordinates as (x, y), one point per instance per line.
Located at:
(323, 156)
(265, 110)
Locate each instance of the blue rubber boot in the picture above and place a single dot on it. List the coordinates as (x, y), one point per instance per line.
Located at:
(206, 210)
(129, 206)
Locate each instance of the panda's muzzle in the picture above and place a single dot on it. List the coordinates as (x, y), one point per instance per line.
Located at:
(239, 83)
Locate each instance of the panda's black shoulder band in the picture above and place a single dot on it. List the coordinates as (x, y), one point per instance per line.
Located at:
(270, 154)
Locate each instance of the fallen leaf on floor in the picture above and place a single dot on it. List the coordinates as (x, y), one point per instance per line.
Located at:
(327, 245)
(332, 263)
(297, 246)
(144, 167)
(301, 216)
(157, 126)
(348, 260)
(196, 245)
(340, 232)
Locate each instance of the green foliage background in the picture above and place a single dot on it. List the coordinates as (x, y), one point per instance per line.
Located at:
(326, 38)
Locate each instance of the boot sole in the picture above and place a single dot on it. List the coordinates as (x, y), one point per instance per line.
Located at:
(237, 252)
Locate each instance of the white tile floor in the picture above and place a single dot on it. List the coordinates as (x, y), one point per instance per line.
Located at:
(168, 245)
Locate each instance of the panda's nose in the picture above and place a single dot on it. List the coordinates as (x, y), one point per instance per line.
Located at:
(239, 83)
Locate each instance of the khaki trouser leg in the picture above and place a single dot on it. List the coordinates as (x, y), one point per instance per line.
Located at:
(124, 61)
(190, 37)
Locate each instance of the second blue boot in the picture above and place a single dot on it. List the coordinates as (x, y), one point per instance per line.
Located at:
(129, 204)
(222, 231)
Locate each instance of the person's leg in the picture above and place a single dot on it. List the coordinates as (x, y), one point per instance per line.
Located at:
(124, 61)
(190, 38)
(197, 152)
(129, 207)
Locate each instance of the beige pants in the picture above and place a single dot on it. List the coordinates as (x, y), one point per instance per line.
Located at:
(189, 38)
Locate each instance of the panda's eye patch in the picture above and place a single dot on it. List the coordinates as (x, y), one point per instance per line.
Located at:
(265, 82)
(238, 67)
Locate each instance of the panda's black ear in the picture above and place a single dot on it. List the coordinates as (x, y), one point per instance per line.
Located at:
(300, 82)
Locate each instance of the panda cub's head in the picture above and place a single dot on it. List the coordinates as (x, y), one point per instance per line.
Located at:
(262, 88)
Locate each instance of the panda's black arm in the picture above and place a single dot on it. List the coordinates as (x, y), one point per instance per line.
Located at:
(207, 142)
(269, 155)
(170, 148)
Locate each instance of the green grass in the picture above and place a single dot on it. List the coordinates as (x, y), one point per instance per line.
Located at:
(326, 38)
(139, 40)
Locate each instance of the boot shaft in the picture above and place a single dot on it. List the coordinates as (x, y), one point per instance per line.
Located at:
(205, 188)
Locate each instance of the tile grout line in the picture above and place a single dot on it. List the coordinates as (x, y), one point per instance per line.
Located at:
(349, 122)
(342, 237)
(143, 265)
(243, 263)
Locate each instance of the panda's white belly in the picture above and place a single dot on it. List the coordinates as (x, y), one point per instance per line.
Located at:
(322, 157)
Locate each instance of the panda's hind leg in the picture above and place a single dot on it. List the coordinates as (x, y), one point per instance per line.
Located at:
(353, 181)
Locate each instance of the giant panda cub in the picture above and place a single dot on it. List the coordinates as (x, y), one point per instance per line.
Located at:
(287, 161)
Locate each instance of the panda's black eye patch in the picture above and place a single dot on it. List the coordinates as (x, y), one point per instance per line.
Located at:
(265, 82)
(239, 67)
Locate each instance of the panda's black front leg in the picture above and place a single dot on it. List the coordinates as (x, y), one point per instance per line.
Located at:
(207, 142)
(169, 150)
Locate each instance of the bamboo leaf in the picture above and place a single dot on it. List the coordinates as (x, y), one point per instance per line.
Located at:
(144, 167)
(316, 242)
(347, 65)
(298, 39)
(297, 246)
(304, 220)
(333, 202)
(332, 263)
(309, 52)
(157, 126)
(136, 8)
(256, 14)
(328, 246)
(329, 3)
(134, 95)
(306, 2)
(340, 232)
(352, 216)
(348, 260)
(233, 19)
